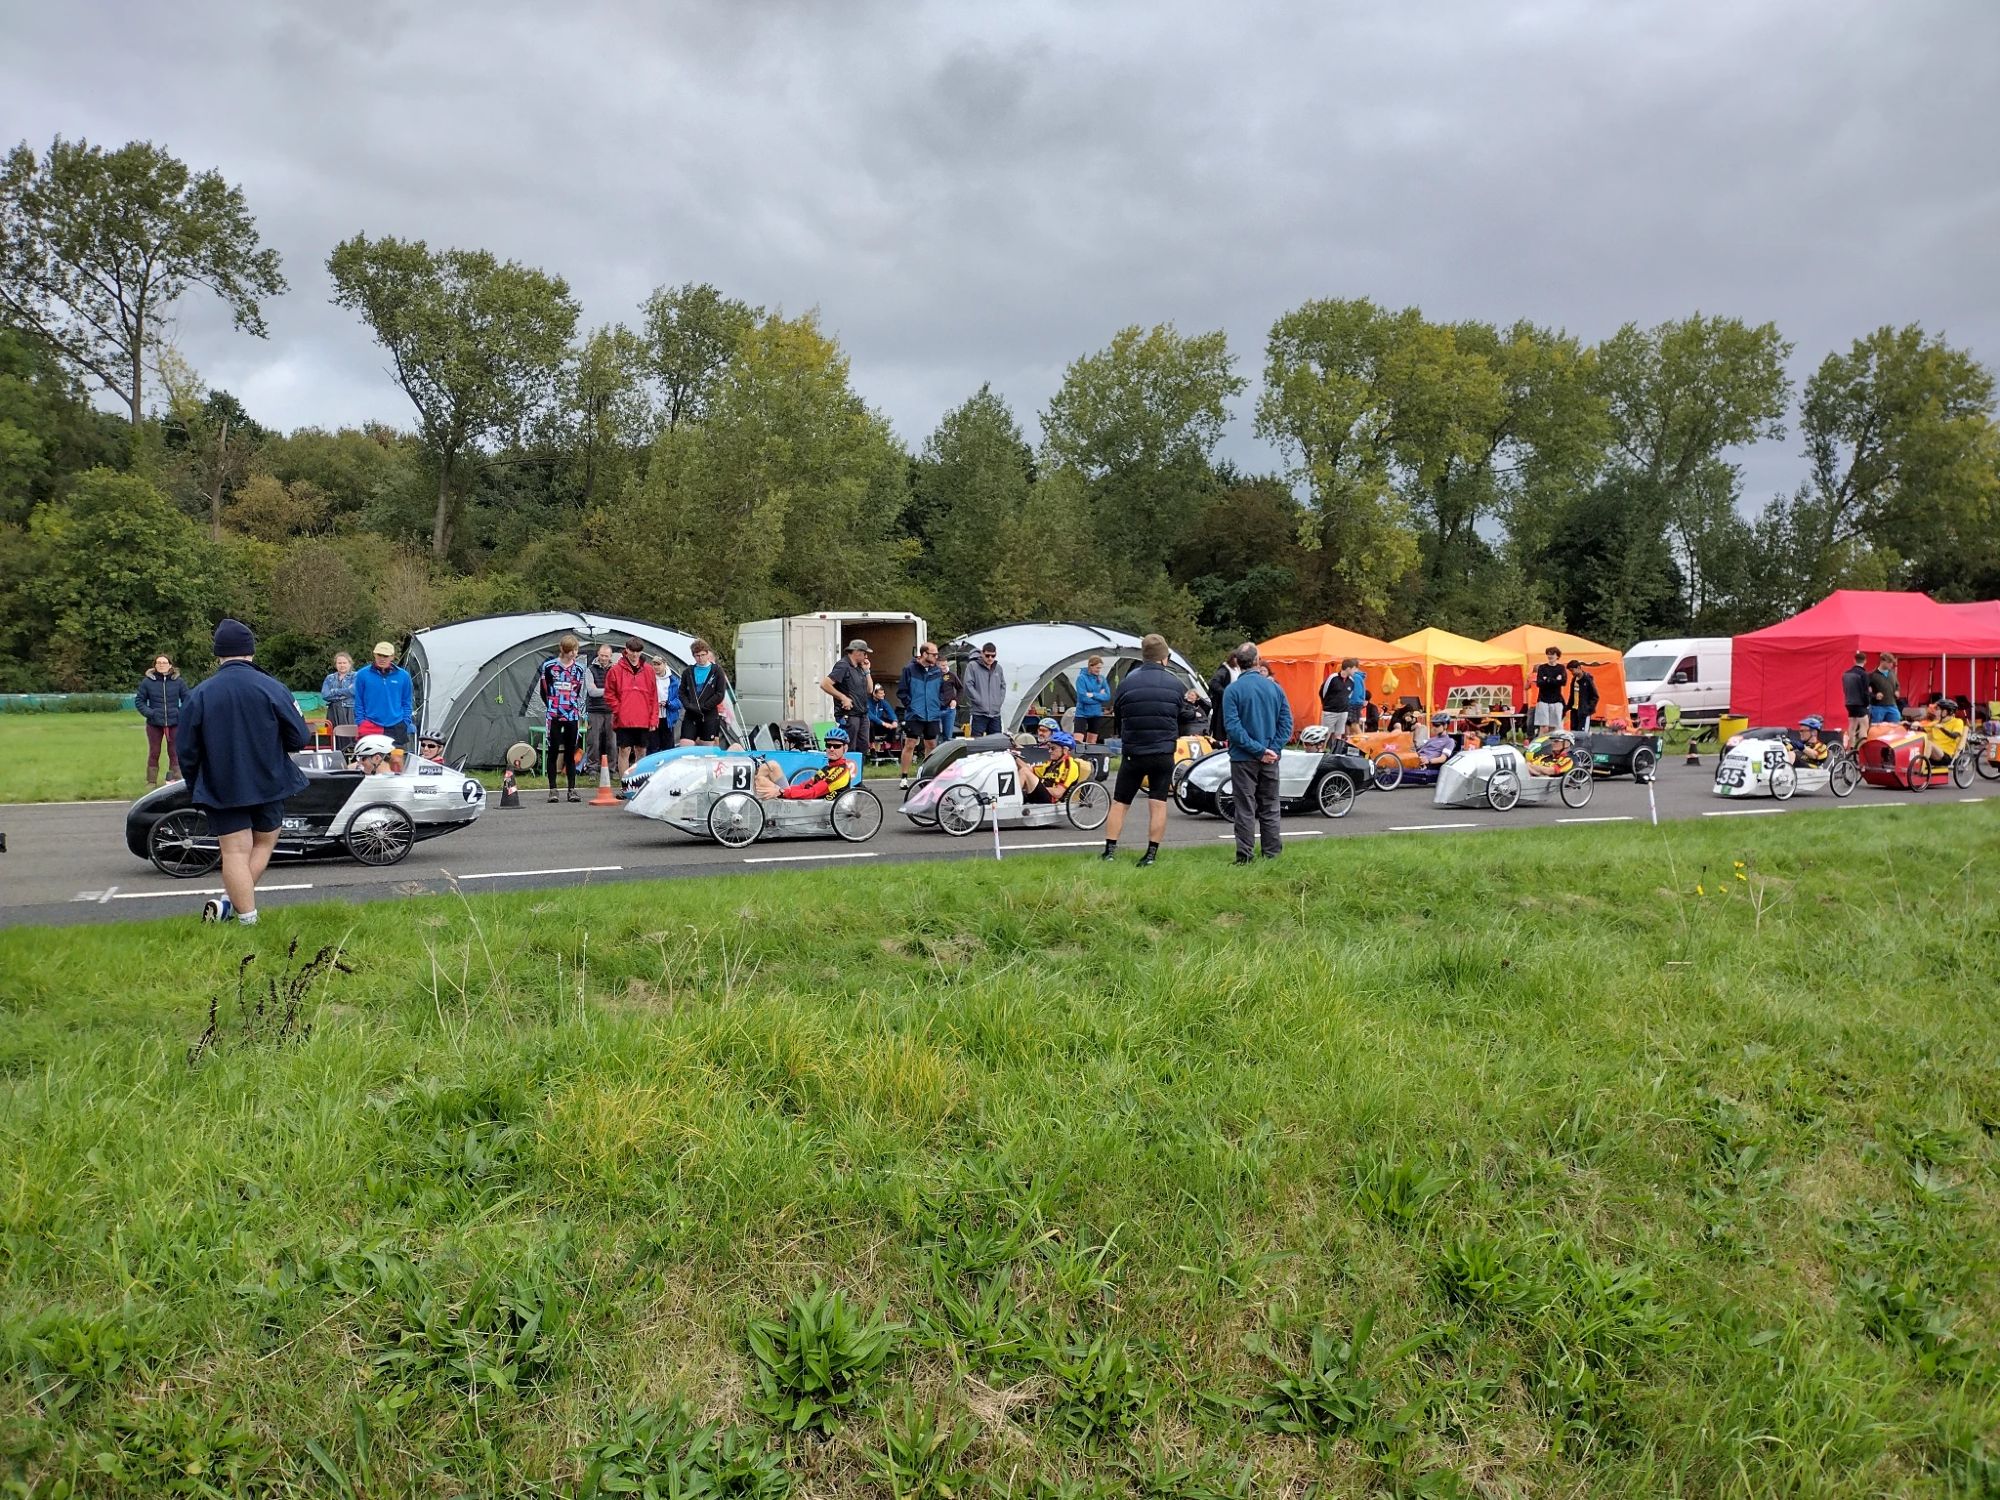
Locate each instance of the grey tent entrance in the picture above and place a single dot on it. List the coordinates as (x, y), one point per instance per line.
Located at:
(476, 680)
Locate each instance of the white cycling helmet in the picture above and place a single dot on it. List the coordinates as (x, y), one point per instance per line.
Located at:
(373, 744)
(1314, 735)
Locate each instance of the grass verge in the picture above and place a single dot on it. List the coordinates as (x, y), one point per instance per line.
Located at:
(1608, 1161)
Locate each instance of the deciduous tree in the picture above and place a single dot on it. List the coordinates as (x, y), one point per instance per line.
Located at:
(691, 333)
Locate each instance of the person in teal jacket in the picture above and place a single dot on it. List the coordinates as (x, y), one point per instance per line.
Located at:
(1093, 692)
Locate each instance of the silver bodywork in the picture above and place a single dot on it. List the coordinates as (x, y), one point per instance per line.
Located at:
(714, 797)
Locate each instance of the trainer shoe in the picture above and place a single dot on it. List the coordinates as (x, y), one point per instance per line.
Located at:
(575, 796)
(903, 785)
(217, 909)
(1151, 856)
(554, 795)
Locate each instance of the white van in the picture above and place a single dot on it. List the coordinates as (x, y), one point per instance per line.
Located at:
(1691, 672)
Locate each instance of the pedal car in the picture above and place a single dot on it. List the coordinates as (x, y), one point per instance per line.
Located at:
(1983, 746)
(1500, 777)
(1614, 753)
(982, 784)
(1772, 765)
(376, 819)
(1896, 760)
(1320, 772)
(1418, 765)
(799, 752)
(717, 797)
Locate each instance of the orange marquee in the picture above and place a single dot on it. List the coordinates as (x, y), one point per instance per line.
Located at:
(1530, 644)
(1300, 661)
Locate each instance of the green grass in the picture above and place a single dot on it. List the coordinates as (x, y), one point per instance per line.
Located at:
(1503, 1165)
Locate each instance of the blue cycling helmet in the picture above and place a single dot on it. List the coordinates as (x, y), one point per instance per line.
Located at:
(1064, 738)
(836, 736)
(1812, 721)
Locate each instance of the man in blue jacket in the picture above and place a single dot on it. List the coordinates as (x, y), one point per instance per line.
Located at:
(383, 697)
(239, 730)
(1260, 726)
(1153, 708)
(921, 692)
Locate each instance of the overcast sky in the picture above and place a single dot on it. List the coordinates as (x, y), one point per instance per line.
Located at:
(981, 192)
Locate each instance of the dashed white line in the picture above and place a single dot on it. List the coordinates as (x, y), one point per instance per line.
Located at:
(1868, 806)
(118, 895)
(783, 859)
(1288, 833)
(520, 874)
(1065, 844)
(1741, 812)
(1620, 818)
(1427, 827)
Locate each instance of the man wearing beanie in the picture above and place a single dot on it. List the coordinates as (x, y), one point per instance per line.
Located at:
(238, 732)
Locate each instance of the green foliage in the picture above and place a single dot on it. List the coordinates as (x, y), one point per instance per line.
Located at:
(1329, 1394)
(673, 1455)
(921, 1453)
(1102, 1389)
(819, 1363)
(690, 334)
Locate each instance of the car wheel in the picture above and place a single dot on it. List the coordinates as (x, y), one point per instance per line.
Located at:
(1088, 805)
(1388, 768)
(179, 845)
(1503, 791)
(1784, 782)
(1577, 785)
(857, 815)
(380, 834)
(1643, 762)
(1841, 777)
(1335, 794)
(802, 775)
(958, 811)
(736, 819)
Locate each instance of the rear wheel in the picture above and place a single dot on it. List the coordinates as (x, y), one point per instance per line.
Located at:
(958, 811)
(381, 834)
(857, 815)
(1088, 805)
(1388, 771)
(1577, 785)
(927, 817)
(1643, 762)
(1225, 804)
(180, 845)
(1842, 777)
(736, 819)
(1784, 782)
(1503, 791)
(1335, 794)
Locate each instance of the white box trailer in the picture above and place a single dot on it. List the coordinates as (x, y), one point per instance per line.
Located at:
(779, 663)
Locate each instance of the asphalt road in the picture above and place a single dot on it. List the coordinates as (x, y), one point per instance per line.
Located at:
(67, 862)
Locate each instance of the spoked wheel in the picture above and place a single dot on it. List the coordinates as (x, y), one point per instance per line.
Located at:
(1225, 804)
(1503, 791)
(857, 815)
(1917, 775)
(381, 834)
(1577, 784)
(180, 845)
(736, 819)
(1180, 789)
(1388, 771)
(1784, 782)
(1336, 793)
(958, 811)
(1643, 763)
(1961, 770)
(1088, 805)
(926, 817)
(1985, 757)
(1841, 777)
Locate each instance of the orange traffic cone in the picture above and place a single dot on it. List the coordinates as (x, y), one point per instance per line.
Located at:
(605, 796)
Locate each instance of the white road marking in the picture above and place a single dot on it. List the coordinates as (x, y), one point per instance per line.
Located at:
(1620, 818)
(1427, 827)
(517, 874)
(1290, 833)
(782, 859)
(1972, 799)
(1741, 812)
(1066, 844)
(118, 895)
(1869, 806)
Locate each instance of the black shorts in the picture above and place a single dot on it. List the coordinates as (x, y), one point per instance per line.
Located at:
(1156, 772)
(264, 819)
(921, 729)
(699, 726)
(633, 739)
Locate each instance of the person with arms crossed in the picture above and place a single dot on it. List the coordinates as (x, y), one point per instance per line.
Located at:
(384, 699)
(1093, 692)
(704, 690)
(986, 690)
(565, 686)
(850, 684)
(1550, 682)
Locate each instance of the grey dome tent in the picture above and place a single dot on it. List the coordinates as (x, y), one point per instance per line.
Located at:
(475, 680)
(1042, 660)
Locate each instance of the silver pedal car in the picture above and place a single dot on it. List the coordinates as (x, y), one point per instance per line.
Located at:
(715, 797)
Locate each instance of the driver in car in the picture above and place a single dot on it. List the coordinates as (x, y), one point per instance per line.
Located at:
(830, 781)
(1813, 749)
(1435, 750)
(371, 755)
(1550, 755)
(1944, 732)
(1052, 780)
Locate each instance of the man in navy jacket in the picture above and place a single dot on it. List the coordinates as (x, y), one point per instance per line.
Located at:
(1153, 710)
(238, 732)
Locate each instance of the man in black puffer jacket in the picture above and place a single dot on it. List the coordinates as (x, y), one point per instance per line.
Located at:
(1153, 708)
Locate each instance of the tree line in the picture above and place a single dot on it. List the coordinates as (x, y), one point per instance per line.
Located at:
(707, 461)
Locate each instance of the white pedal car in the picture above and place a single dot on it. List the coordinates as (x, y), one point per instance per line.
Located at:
(714, 797)
(985, 786)
(1766, 767)
(1499, 777)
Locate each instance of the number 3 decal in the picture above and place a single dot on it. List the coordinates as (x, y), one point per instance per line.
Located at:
(739, 778)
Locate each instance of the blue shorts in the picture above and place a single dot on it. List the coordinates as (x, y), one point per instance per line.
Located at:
(1885, 713)
(267, 818)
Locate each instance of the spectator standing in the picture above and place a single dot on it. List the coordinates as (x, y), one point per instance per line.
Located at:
(667, 688)
(1357, 688)
(565, 688)
(948, 693)
(1884, 693)
(1153, 709)
(600, 741)
(1551, 681)
(239, 730)
(986, 689)
(634, 696)
(921, 690)
(1218, 697)
(1336, 699)
(704, 690)
(1260, 725)
(384, 698)
(337, 690)
(1093, 692)
(162, 692)
(882, 720)
(850, 684)
(1854, 696)
(1583, 697)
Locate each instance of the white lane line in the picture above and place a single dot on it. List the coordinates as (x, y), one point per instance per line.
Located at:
(1868, 806)
(118, 895)
(1741, 812)
(1427, 827)
(1620, 818)
(518, 874)
(784, 859)
(1289, 833)
(1972, 799)
(1066, 844)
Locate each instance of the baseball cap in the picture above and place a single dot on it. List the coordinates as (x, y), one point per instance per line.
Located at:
(383, 648)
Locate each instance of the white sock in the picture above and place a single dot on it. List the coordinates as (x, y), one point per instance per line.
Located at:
(246, 919)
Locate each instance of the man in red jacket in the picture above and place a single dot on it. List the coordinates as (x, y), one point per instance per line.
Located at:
(632, 691)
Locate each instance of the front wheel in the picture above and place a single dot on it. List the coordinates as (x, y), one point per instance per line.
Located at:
(1643, 762)
(1577, 785)
(1388, 771)
(736, 820)
(1503, 791)
(1225, 804)
(927, 818)
(1986, 758)
(1917, 775)
(1784, 782)
(1336, 794)
(1088, 805)
(180, 845)
(1180, 789)
(1841, 777)
(857, 815)
(381, 835)
(1961, 770)
(958, 811)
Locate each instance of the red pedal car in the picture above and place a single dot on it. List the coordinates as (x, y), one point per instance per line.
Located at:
(1896, 760)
